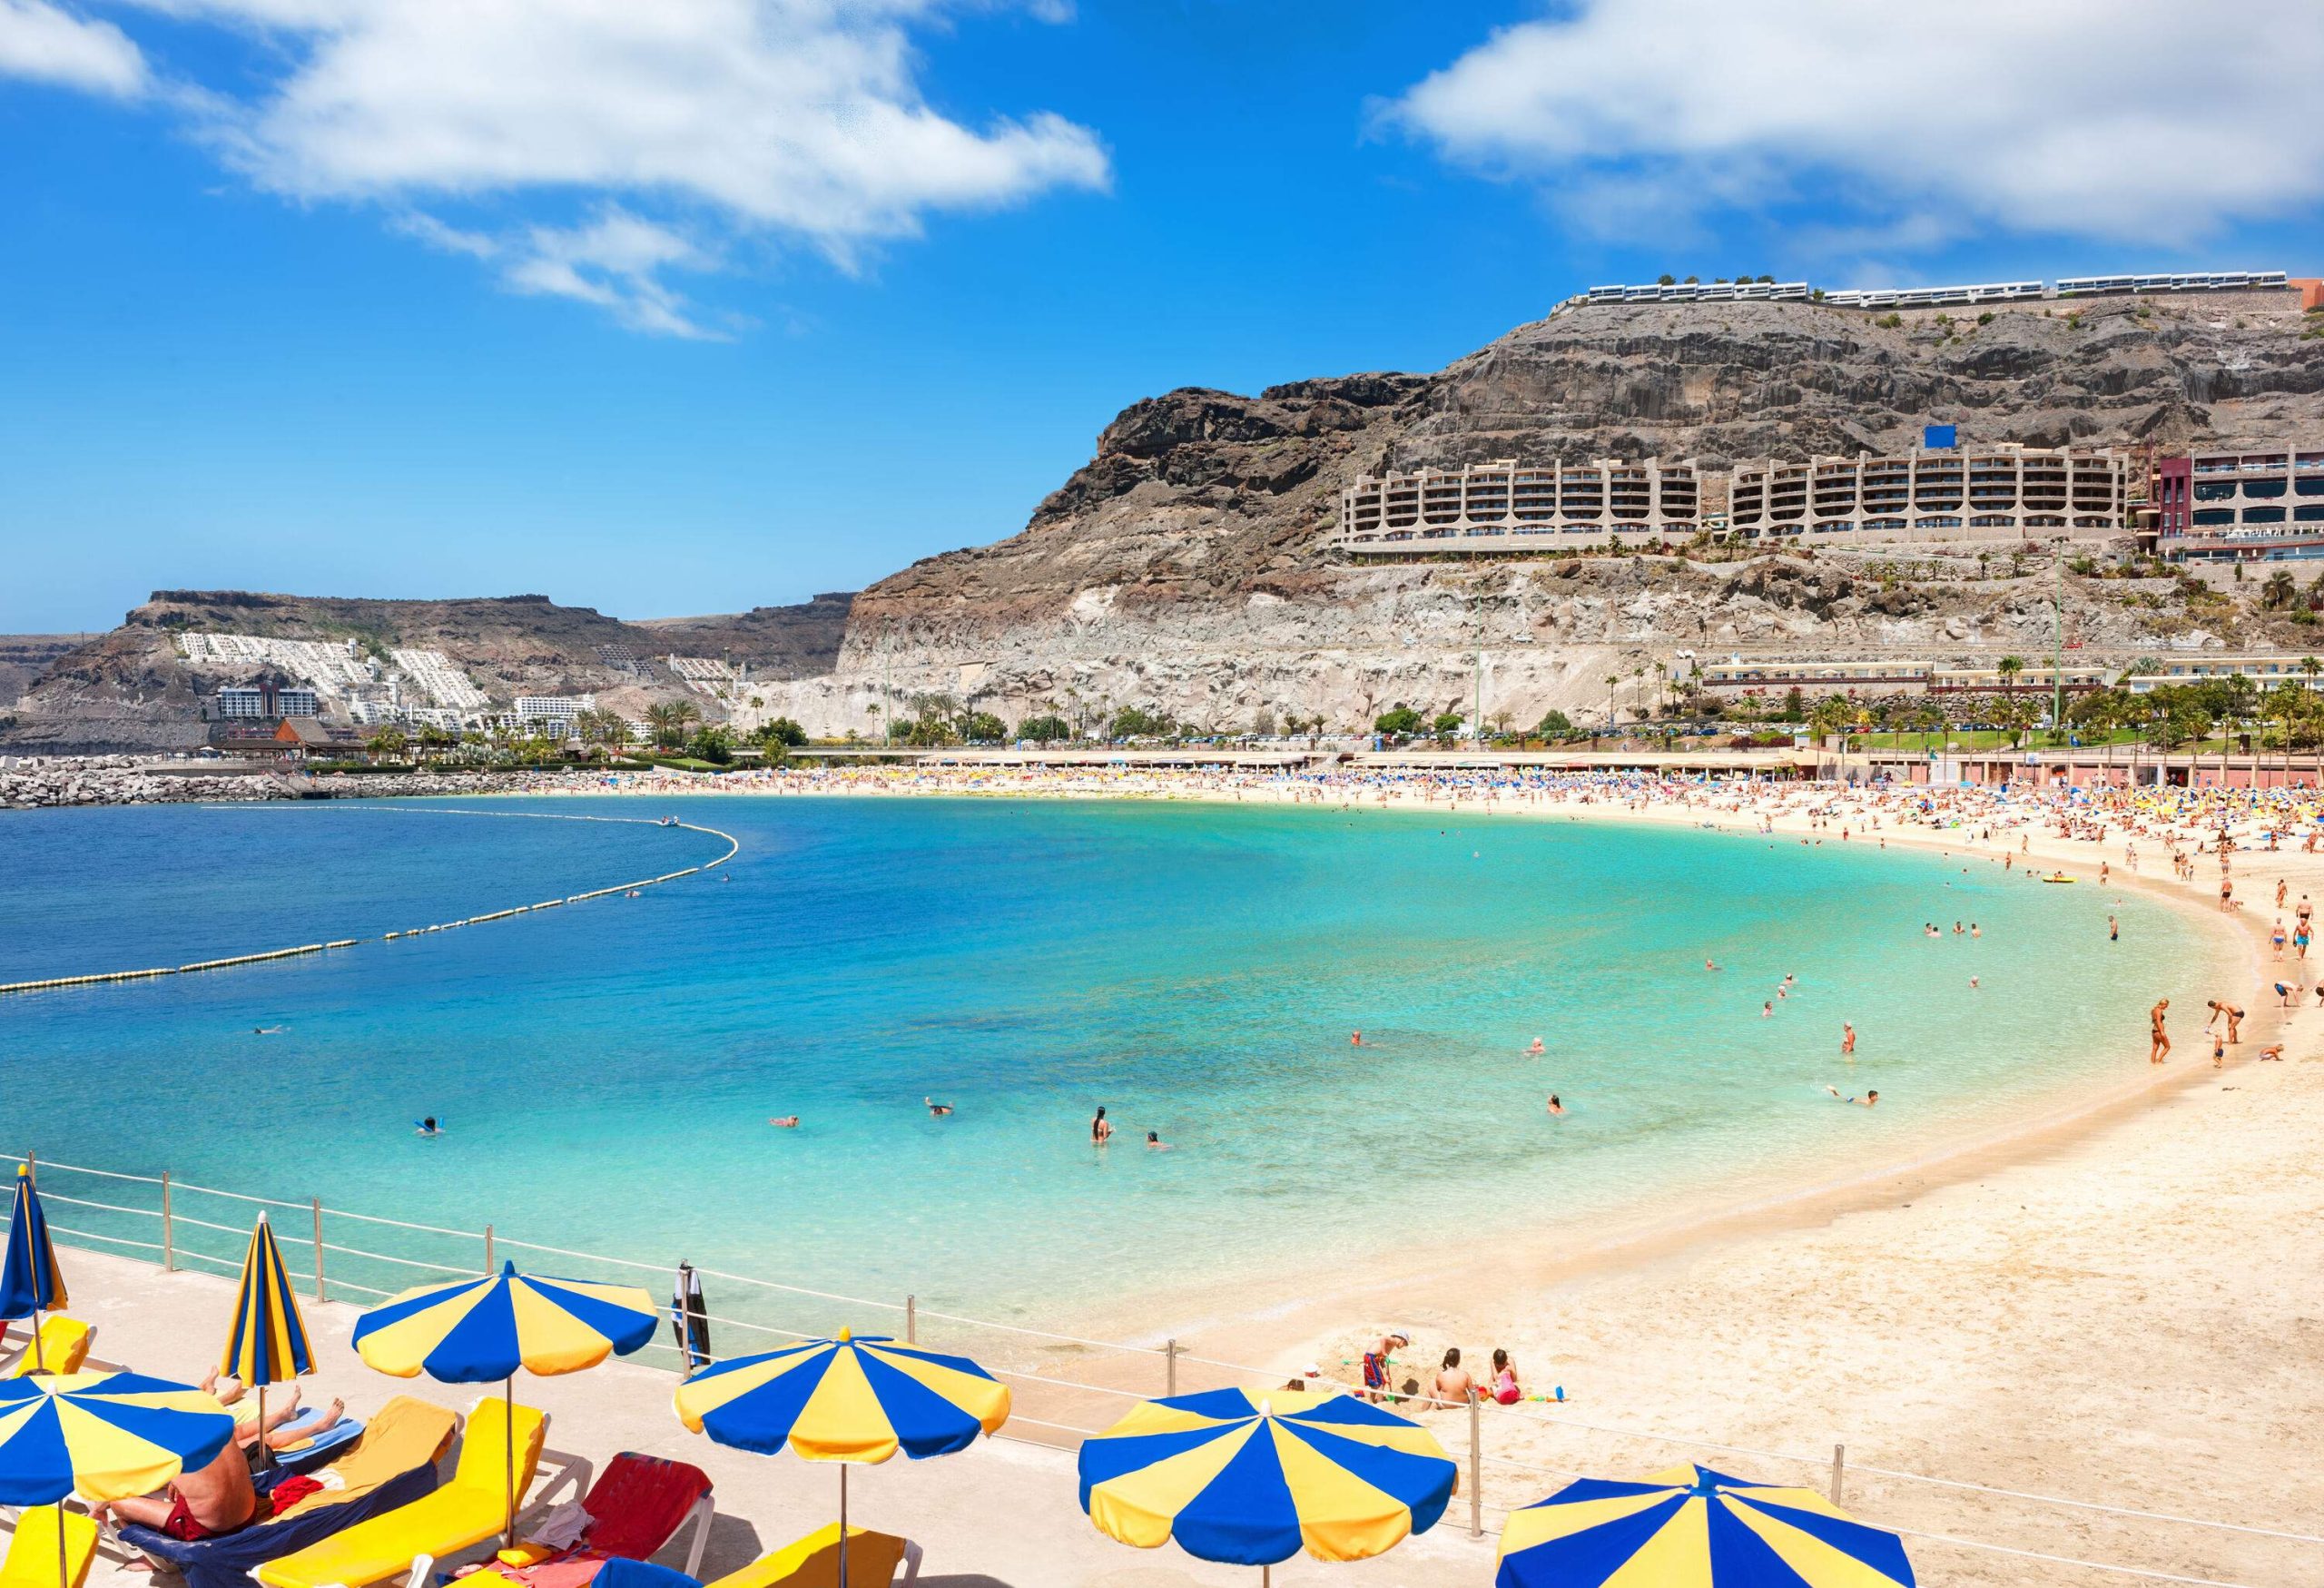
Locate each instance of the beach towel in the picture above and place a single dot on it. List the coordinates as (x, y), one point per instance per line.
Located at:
(634, 1508)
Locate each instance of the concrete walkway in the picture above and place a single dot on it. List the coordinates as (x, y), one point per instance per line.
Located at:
(1001, 1516)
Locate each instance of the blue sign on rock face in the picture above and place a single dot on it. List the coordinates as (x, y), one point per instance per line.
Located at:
(1939, 437)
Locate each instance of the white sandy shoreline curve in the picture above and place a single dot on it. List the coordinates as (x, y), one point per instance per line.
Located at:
(2113, 1300)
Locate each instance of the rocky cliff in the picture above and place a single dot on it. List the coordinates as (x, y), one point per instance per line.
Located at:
(1185, 567)
(133, 690)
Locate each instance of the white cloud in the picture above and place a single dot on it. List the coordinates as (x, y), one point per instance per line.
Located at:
(2125, 119)
(615, 262)
(794, 120)
(47, 44)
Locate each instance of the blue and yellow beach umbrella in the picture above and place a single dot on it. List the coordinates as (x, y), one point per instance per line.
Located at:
(105, 1435)
(30, 1281)
(473, 1331)
(1691, 1527)
(1252, 1480)
(845, 1400)
(268, 1342)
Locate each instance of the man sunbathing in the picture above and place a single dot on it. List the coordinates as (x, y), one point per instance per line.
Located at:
(218, 1499)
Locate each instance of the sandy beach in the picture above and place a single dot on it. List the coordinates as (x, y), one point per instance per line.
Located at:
(2115, 1305)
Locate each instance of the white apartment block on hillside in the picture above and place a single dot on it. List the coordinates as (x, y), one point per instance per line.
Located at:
(1502, 507)
(2006, 493)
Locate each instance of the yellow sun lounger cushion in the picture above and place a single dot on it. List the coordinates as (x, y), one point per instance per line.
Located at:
(814, 1562)
(31, 1562)
(406, 1433)
(465, 1511)
(63, 1346)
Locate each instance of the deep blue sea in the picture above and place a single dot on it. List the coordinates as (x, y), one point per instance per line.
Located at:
(606, 1070)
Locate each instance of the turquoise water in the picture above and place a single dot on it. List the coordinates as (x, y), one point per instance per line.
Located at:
(606, 1070)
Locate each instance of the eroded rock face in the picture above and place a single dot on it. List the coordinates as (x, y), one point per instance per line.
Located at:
(130, 690)
(1183, 568)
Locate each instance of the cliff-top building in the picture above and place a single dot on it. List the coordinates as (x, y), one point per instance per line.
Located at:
(1500, 507)
(2226, 507)
(2001, 493)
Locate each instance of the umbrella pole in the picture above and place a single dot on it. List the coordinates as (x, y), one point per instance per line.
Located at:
(508, 1403)
(40, 1363)
(842, 1525)
(64, 1568)
(262, 1425)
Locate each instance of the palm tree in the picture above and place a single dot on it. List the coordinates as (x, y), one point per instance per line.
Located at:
(386, 745)
(1613, 682)
(669, 720)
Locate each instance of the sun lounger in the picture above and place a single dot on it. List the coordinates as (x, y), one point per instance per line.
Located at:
(636, 1507)
(63, 1346)
(31, 1561)
(813, 1562)
(392, 1464)
(468, 1510)
(318, 1444)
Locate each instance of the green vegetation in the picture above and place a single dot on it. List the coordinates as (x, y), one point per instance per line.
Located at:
(669, 721)
(1045, 730)
(1398, 722)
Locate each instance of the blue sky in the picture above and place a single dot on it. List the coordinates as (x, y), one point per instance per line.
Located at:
(720, 302)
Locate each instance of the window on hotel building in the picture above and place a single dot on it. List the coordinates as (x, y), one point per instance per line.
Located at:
(2309, 515)
(2263, 487)
(2214, 516)
(2263, 515)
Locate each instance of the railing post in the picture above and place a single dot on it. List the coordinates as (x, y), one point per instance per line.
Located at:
(487, 1250)
(1840, 1470)
(1170, 1367)
(911, 1320)
(315, 1203)
(1476, 1468)
(169, 1246)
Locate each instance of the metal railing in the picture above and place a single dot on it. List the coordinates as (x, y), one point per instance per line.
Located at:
(146, 1217)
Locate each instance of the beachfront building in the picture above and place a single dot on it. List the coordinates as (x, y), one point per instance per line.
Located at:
(2265, 672)
(2249, 506)
(552, 714)
(1895, 675)
(2004, 493)
(257, 702)
(1502, 507)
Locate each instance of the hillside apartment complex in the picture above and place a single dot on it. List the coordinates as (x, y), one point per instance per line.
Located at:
(2212, 506)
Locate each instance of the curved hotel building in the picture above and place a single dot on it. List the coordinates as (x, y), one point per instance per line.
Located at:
(1499, 506)
(2002, 493)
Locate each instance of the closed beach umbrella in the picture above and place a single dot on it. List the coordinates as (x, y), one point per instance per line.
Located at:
(1251, 1481)
(107, 1435)
(1691, 1527)
(268, 1342)
(30, 1281)
(474, 1331)
(845, 1400)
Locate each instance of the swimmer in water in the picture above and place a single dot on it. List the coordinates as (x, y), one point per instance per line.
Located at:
(1537, 1050)
(1847, 1038)
(787, 1122)
(1767, 1009)
(1556, 1106)
(1973, 983)
(1101, 1129)
(1867, 1099)
(935, 1109)
(266, 1030)
(1355, 1040)
(1710, 965)
(429, 1126)
(1154, 1143)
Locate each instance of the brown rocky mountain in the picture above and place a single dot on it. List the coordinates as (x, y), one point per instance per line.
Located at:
(133, 690)
(1185, 567)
